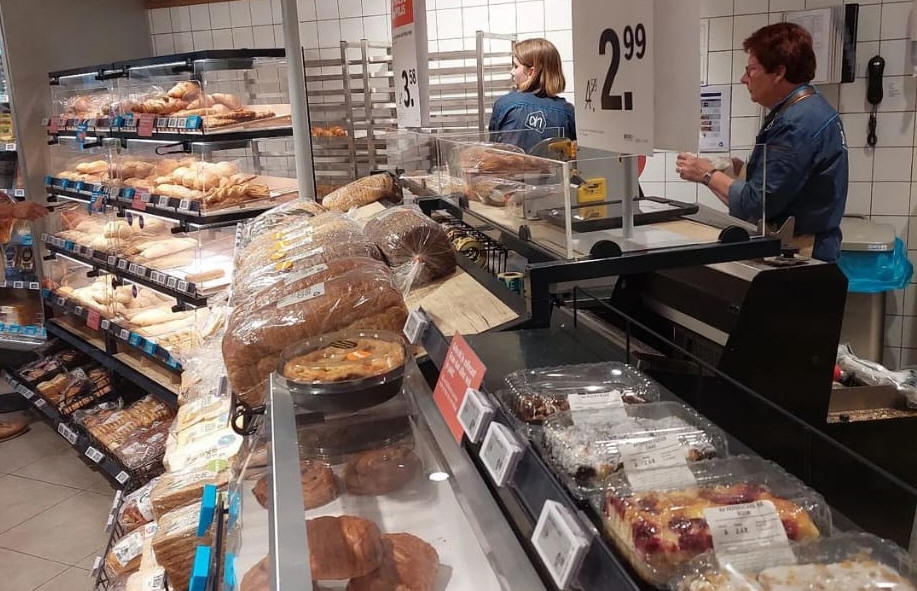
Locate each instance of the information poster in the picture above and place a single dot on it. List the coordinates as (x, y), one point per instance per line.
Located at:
(715, 107)
(409, 57)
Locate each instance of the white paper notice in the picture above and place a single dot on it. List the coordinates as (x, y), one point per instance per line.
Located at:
(668, 478)
(593, 400)
(715, 107)
(749, 536)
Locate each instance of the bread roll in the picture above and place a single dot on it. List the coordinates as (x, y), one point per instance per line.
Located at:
(381, 471)
(343, 547)
(319, 485)
(229, 100)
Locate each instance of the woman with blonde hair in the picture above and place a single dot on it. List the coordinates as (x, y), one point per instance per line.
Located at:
(538, 79)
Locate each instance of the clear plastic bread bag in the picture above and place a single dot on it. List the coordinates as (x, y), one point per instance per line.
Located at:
(350, 293)
(136, 508)
(278, 217)
(176, 540)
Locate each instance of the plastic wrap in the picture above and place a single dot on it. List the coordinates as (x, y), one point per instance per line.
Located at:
(844, 561)
(176, 540)
(137, 509)
(125, 554)
(363, 297)
(115, 428)
(584, 447)
(221, 445)
(415, 246)
(145, 446)
(870, 373)
(362, 192)
(180, 488)
(535, 394)
(658, 531)
(84, 388)
(493, 190)
(504, 160)
(278, 217)
(46, 367)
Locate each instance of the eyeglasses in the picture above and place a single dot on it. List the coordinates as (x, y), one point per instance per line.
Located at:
(750, 69)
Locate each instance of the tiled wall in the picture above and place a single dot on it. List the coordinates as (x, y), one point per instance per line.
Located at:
(883, 181)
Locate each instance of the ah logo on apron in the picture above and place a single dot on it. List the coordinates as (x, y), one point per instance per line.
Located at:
(536, 121)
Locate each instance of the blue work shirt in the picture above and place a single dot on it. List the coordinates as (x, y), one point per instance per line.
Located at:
(806, 173)
(527, 110)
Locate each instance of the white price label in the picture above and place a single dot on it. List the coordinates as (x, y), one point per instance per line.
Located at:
(40, 402)
(77, 310)
(67, 433)
(132, 268)
(141, 270)
(309, 293)
(105, 325)
(749, 536)
(500, 452)
(415, 326)
(112, 260)
(122, 477)
(10, 147)
(171, 282)
(88, 252)
(18, 192)
(670, 477)
(110, 522)
(594, 400)
(184, 204)
(173, 121)
(162, 121)
(658, 452)
(182, 286)
(18, 284)
(34, 285)
(96, 565)
(122, 264)
(155, 277)
(94, 454)
(25, 392)
(613, 47)
(560, 542)
(163, 201)
(124, 335)
(474, 414)
(61, 301)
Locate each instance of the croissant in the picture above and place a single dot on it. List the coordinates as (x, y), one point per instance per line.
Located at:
(202, 102)
(94, 167)
(225, 194)
(230, 100)
(186, 90)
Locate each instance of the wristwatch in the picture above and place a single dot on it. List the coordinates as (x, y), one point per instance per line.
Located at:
(707, 177)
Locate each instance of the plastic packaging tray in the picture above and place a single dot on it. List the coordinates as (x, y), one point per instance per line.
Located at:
(844, 561)
(660, 530)
(584, 447)
(535, 394)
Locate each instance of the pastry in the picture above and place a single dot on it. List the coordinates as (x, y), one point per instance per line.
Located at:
(229, 100)
(861, 574)
(185, 89)
(346, 360)
(361, 192)
(408, 564)
(258, 577)
(407, 237)
(343, 547)
(381, 471)
(318, 485)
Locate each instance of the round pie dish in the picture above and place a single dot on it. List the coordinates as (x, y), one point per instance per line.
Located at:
(344, 371)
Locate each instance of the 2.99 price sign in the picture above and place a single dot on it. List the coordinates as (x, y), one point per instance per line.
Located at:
(613, 52)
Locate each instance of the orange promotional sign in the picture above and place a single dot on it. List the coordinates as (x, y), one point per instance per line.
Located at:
(462, 369)
(402, 13)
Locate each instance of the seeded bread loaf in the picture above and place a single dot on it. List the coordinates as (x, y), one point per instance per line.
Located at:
(407, 237)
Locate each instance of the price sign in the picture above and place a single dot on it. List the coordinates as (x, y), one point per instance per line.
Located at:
(140, 199)
(624, 52)
(173, 122)
(94, 454)
(658, 452)
(163, 201)
(105, 325)
(749, 536)
(409, 58)
(415, 326)
(93, 319)
(78, 310)
(560, 542)
(145, 124)
(123, 334)
(184, 204)
(25, 392)
(132, 268)
(171, 282)
(40, 402)
(162, 122)
(500, 453)
(67, 433)
(122, 477)
(18, 284)
(474, 414)
(122, 264)
(183, 286)
(33, 285)
(462, 369)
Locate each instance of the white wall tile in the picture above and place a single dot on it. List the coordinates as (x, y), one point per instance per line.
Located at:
(563, 41)
(326, 10)
(481, 2)
(856, 126)
(530, 17)
(719, 67)
(502, 19)
(865, 51)
(219, 16)
(240, 13)
(655, 169)
(896, 57)
(308, 35)
(652, 188)
(744, 26)
(742, 105)
(181, 18)
(831, 93)
(558, 15)
(711, 8)
(853, 97)
(720, 34)
(432, 34)
(242, 37)
(682, 191)
(449, 23)
(329, 33)
(750, 6)
(352, 29)
(705, 197)
(894, 20)
(348, 8)
(860, 161)
(306, 10)
(202, 40)
(222, 39)
(474, 18)
(276, 12)
(909, 304)
(894, 326)
(263, 36)
(183, 42)
(261, 12)
(163, 44)
(890, 198)
(744, 131)
(892, 164)
(891, 357)
(378, 28)
(739, 61)
(868, 22)
(279, 39)
(200, 17)
(783, 5)
(898, 222)
(160, 21)
(448, 4)
(908, 357)
(380, 7)
(899, 93)
(895, 129)
(859, 199)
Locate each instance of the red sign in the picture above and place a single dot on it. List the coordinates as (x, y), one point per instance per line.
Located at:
(54, 125)
(137, 201)
(145, 124)
(93, 319)
(402, 13)
(462, 369)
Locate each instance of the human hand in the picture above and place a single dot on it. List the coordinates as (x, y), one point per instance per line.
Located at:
(26, 210)
(691, 168)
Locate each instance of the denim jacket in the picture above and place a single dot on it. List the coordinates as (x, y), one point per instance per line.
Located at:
(527, 110)
(806, 163)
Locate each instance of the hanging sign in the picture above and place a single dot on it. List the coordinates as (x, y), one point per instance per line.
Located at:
(409, 59)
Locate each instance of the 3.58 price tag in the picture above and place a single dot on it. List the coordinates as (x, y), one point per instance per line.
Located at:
(500, 453)
(409, 59)
(560, 542)
(475, 414)
(749, 536)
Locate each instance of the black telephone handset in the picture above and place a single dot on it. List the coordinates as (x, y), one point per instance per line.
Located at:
(874, 70)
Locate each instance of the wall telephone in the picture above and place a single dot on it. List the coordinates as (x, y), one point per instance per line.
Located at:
(874, 70)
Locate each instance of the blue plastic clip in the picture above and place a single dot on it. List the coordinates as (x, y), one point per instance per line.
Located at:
(134, 340)
(201, 569)
(208, 508)
(193, 122)
(229, 570)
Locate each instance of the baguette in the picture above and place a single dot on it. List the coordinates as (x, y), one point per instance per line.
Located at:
(360, 192)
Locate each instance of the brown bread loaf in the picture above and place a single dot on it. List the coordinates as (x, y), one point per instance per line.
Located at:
(361, 192)
(406, 237)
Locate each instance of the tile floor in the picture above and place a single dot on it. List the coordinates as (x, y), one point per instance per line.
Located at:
(53, 508)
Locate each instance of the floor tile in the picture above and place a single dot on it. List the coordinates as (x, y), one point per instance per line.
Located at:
(69, 469)
(22, 498)
(64, 532)
(23, 573)
(89, 562)
(39, 442)
(73, 578)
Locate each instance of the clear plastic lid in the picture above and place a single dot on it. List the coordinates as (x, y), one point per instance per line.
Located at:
(844, 561)
(660, 530)
(584, 447)
(535, 394)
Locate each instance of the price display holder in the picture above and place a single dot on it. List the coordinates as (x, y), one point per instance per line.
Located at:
(415, 326)
(462, 369)
(475, 414)
(409, 59)
(749, 536)
(560, 542)
(500, 453)
(624, 52)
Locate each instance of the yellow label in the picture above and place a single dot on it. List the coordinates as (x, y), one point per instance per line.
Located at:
(594, 190)
(277, 255)
(284, 266)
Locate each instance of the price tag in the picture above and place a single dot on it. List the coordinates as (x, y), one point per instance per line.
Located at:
(18, 192)
(94, 454)
(105, 325)
(132, 268)
(112, 260)
(474, 414)
(145, 124)
(163, 201)
(122, 477)
(666, 478)
(67, 433)
(18, 284)
(181, 122)
(183, 286)
(61, 301)
(93, 319)
(97, 564)
(560, 542)
(122, 264)
(594, 400)
(139, 200)
(184, 204)
(88, 252)
(156, 276)
(10, 147)
(171, 282)
(193, 122)
(141, 270)
(78, 310)
(749, 536)
(462, 369)
(500, 452)
(415, 326)
(123, 334)
(162, 122)
(34, 285)
(40, 402)
(173, 122)
(658, 452)
(25, 392)
(409, 59)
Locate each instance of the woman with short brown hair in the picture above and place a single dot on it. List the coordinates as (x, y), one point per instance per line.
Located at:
(534, 108)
